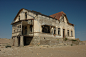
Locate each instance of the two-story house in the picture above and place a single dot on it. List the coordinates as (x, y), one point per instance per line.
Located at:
(32, 28)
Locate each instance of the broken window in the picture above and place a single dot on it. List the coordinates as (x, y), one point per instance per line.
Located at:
(71, 33)
(14, 31)
(68, 32)
(58, 31)
(25, 15)
(19, 18)
(62, 18)
(46, 29)
(31, 28)
(20, 26)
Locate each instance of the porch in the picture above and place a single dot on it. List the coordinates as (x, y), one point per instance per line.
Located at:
(24, 28)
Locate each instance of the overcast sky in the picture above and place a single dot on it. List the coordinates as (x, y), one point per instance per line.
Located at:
(75, 11)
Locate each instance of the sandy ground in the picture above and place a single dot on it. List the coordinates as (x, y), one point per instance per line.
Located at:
(60, 51)
(4, 40)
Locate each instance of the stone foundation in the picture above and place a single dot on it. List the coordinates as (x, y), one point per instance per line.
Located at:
(37, 40)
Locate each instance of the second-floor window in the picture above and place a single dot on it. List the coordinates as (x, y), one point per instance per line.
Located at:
(25, 15)
(19, 18)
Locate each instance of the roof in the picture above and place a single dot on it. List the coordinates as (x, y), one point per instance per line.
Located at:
(54, 16)
(57, 15)
(35, 12)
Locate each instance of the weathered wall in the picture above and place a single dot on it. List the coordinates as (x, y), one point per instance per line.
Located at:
(15, 30)
(42, 20)
(30, 15)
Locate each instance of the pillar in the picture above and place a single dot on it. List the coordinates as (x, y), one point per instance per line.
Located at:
(16, 42)
(21, 41)
(12, 41)
(52, 30)
(70, 32)
(41, 28)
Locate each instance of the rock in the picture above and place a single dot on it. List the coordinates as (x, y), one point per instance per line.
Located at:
(81, 43)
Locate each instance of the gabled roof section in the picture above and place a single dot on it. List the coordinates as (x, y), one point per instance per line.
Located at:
(35, 12)
(57, 15)
(54, 16)
(19, 12)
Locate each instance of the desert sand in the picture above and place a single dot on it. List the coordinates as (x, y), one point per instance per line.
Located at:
(40, 51)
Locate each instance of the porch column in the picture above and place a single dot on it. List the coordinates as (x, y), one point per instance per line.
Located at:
(69, 32)
(21, 28)
(41, 28)
(21, 41)
(52, 30)
(16, 42)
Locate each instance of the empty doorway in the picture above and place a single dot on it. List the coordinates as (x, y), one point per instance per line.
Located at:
(63, 33)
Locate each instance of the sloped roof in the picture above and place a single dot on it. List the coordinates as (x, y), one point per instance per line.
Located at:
(54, 16)
(57, 15)
(35, 12)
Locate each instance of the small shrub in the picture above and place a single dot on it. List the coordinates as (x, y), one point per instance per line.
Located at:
(71, 44)
(74, 40)
(8, 46)
(66, 39)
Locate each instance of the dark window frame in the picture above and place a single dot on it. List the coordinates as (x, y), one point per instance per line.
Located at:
(71, 33)
(25, 15)
(19, 18)
(46, 29)
(68, 32)
(58, 31)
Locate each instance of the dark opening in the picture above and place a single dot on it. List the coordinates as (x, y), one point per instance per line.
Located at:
(25, 30)
(31, 28)
(71, 33)
(19, 18)
(25, 15)
(46, 29)
(63, 33)
(27, 40)
(68, 32)
(18, 41)
(58, 31)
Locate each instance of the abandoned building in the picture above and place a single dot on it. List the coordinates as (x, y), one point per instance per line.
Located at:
(33, 28)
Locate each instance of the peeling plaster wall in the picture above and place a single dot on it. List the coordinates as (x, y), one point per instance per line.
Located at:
(15, 27)
(30, 15)
(42, 20)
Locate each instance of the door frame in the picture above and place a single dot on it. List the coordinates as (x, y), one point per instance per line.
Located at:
(63, 33)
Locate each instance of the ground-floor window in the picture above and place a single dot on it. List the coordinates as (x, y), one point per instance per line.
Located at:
(68, 32)
(46, 29)
(58, 31)
(71, 33)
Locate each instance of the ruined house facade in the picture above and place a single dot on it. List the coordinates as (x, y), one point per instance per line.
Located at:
(33, 28)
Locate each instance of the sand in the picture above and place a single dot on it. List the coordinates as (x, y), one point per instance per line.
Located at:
(40, 51)
(60, 51)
